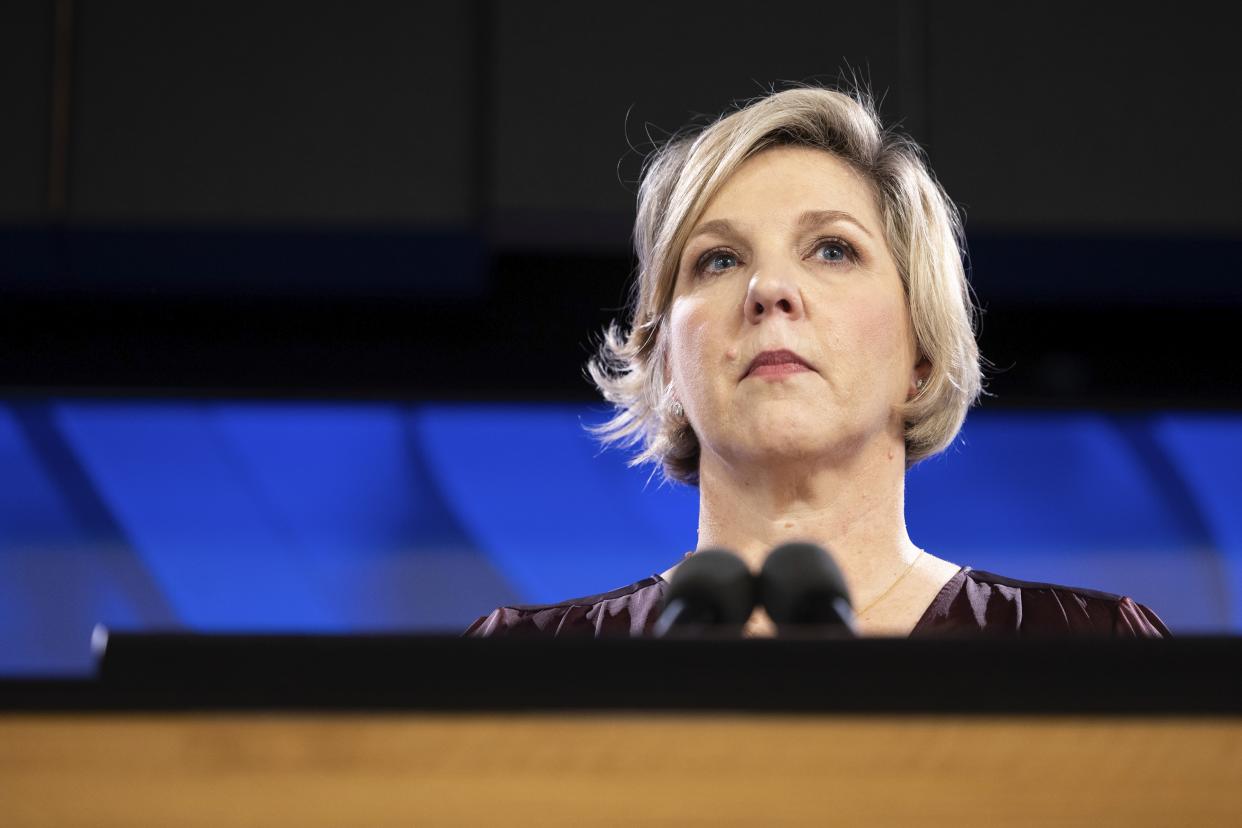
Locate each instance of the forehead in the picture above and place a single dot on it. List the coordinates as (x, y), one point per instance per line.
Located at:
(779, 183)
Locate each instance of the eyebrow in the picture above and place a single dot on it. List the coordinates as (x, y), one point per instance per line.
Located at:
(814, 218)
(810, 218)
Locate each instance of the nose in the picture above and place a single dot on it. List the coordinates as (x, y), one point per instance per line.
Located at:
(772, 296)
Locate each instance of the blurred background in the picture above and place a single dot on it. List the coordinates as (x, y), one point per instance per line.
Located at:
(295, 298)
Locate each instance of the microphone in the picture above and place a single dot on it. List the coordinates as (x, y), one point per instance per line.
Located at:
(801, 585)
(710, 588)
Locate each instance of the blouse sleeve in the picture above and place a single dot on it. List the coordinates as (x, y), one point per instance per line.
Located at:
(525, 621)
(484, 625)
(1134, 620)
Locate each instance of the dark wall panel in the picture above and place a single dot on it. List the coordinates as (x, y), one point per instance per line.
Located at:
(259, 191)
(274, 111)
(1088, 115)
(572, 83)
(25, 85)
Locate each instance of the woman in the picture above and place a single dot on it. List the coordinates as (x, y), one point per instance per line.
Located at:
(802, 333)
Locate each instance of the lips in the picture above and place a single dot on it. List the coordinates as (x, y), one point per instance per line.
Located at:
(777, 362)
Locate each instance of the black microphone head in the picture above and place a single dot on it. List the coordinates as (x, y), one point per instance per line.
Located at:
(715, 587)
(801, 584)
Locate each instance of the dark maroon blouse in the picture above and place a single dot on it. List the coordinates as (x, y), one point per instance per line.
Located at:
(973, 602)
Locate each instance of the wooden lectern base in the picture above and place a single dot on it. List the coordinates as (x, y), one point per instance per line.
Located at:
(622, 769)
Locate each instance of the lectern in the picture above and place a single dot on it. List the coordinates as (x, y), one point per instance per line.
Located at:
(420, 731)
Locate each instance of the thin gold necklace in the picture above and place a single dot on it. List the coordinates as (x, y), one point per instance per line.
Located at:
(883, 595)
(893, 586)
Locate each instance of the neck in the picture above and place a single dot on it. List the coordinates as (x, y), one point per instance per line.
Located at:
(853, 507)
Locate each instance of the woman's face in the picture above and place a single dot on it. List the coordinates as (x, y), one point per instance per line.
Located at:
(790, 256)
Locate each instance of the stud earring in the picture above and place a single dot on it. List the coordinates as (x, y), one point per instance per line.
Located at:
(678, 412)
(921, 382)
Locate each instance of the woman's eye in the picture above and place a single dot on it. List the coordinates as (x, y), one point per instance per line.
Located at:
(834, 252)
(717, 261)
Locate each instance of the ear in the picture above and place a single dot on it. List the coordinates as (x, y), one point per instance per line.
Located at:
(668, 377)
(922, 369)
(920, 372)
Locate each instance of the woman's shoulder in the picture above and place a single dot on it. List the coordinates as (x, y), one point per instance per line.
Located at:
(626, 611)
(972, 602)
(977, 601)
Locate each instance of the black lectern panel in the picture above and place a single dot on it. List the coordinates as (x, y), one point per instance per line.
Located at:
(398, 672)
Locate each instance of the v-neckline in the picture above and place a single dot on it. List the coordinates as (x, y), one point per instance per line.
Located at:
(945, 594)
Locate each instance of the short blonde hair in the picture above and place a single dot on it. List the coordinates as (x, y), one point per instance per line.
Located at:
(921, 226)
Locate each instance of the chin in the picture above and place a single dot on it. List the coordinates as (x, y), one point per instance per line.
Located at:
(790, 438)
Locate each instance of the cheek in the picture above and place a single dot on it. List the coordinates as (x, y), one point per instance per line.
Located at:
(878, 334)
(690, 330)
(883, 332)
(879, 328)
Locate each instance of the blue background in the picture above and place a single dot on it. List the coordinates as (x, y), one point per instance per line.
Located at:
(274, 516)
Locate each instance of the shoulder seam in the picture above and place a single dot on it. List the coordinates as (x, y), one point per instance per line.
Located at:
(586, 600)
(993, 578)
